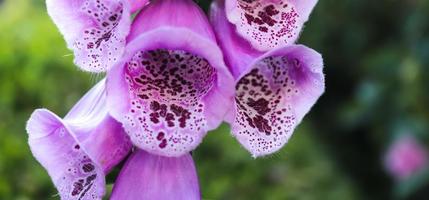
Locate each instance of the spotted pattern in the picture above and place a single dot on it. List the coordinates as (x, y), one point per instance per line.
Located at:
(101, 43)
(80, 181)
(265, 119)
(268, 24)
(166, 88)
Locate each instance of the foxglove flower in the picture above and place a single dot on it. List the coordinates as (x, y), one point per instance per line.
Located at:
(405, 157)
(172, 85)
(148, 176)
(95, 30)
(79, 150)
(273, 89)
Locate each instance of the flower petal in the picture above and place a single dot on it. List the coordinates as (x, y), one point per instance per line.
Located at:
(104, 138)
(172, 72)
(172, 14)
(107, 142)
(93, 126)
(273, 96)
(73, 171)
(147, 176)
(78, 151)
(268, 24)
(92, 106)
(239, 54)
(95, 30)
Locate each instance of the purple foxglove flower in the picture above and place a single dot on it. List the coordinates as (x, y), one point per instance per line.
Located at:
(273, 91)
(80, 149)
(147, 176)
(172, 85)
(95, 30)
(405, 157)
(268, 24)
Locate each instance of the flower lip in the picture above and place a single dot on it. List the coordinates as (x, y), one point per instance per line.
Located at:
(39, 130)
(182, 39)
(95, 30)
(74, 172)
(273, 95)
(180, 29)
(80, 149)
(268, 24)
(171, 39)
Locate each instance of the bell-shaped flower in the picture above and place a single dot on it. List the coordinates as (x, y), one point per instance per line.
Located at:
(268, 24)
(95, 30)
(147, 176)
(79, 150)
(172, 85)
(273, 91)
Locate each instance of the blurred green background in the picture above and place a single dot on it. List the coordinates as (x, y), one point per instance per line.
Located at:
(377, 71)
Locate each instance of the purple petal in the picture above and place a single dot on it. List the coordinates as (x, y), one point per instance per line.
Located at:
(165, 89)
(94, 30)
(273, 96)
(104, 138)
(172, 14)
(147, 176)
(73, 171)
(78, 151)
(237, 51)
(92, 106)
(268, 24)
(107, 142)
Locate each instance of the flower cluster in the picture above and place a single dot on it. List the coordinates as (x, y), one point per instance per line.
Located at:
(173, 74)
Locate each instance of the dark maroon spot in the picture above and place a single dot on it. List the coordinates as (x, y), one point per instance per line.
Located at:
(154, 106)
(163, 110)
(263, 29)
(160, 136)
(85, 191)
(90, 179)
(249, 18)
(77, 187)
(104, 37)
(113, 17)
(154, 117)
(262, 124)
(90, 45)
(163, 144)
(260, 105)
(271, 10)
(88, 167)
(170, 124)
